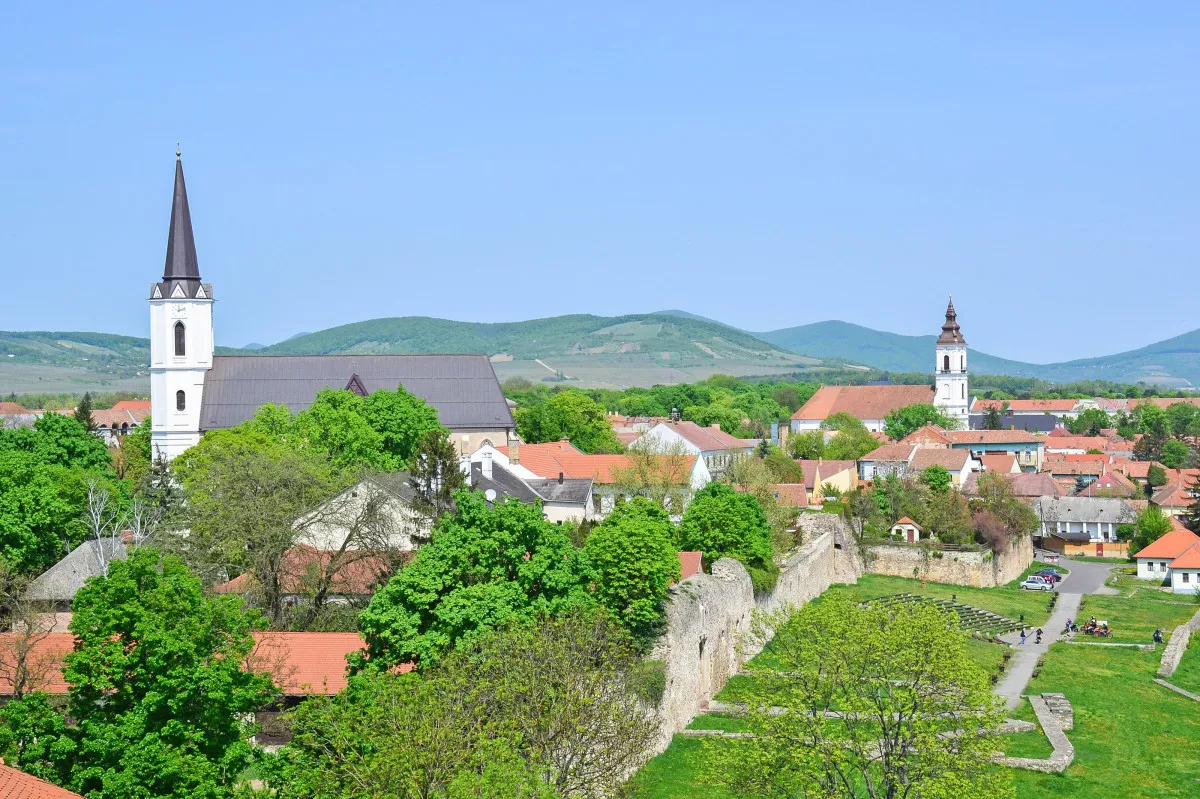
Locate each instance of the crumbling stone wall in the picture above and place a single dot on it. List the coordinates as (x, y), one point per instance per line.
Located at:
(1173, 652)
(977, 569)
(709, 617)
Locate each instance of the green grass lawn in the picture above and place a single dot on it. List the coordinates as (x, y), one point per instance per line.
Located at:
(1092, 559)
(1133, 738)
(1007, 601)
(1187, 676)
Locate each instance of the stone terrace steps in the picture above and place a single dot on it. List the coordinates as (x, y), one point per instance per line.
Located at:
(969, 618)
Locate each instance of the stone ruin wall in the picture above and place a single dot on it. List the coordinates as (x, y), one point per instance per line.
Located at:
(709, 617)
(1173, 652)
(977, 569)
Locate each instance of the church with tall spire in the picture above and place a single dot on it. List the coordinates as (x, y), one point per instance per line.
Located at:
(181, 334)
(193, 390)
(950, 370)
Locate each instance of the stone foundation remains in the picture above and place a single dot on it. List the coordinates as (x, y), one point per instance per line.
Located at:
(973, 568)
(1173, 653)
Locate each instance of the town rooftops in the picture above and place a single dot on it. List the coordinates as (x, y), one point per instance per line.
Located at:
(1169, 546)
(889, 452)
(132, 405)
(950, 459)
(1000, 462)
(1084, 443)
(1025, 485)
(559, 457)
(571, 490)
(862, 402)
(1112, 484)
(360, 573)
(16, 784)
(970, 437)
(707, 439)
(927, 435)
(12, 408)
(826, 469)
(1173, 495)
(1026, 406)
(906, 520)
(463, 388)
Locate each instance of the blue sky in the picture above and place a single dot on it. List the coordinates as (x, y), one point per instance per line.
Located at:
(766, 165)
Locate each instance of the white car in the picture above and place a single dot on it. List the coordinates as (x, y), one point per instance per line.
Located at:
(1034, 584)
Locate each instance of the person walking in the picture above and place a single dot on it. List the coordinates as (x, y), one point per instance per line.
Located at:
(1022, 636)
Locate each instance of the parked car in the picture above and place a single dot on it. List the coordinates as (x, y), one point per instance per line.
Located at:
(1053, 574)
(1036, 584)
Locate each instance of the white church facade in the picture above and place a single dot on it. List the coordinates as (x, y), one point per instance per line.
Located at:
(192, 390)
(951, 395)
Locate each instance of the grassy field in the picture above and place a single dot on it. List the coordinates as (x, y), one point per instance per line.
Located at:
(1133, 738)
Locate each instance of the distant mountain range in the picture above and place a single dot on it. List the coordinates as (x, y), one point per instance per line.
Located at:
(637, 349)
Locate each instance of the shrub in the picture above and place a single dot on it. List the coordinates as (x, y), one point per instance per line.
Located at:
(721, 522)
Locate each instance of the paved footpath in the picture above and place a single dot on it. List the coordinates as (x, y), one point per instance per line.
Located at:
(1025, 656)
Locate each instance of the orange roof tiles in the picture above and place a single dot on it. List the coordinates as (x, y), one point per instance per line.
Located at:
(1188, 559)
(132, 405)
(890, 452)
(16, 784)
(929, 435)
(1004, 464)
(906, 520)
(1112, 484)
(1172, 495)
(690, 563)
(950, 459)
(862, 402)
(548, 460)
(826, 468)
(1031, 405)
(12, 407)
(708, 439)
(360, 573)
(791, 495)
(44, 660)
(1170, 545)
(1077, 442)
(992, 437)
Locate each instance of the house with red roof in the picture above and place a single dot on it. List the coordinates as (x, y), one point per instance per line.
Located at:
(1185, 571)
(1062, 408)
(868, 404)
(1028, 449)
(841, 475)
(716, 447)
(908, 530)
(1154, 560)
(16, 784)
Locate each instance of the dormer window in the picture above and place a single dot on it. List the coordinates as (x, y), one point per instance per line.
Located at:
(180, 346)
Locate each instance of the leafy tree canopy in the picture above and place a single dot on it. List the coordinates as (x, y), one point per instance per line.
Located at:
(902, 421)
(721, 522)
(572, 415)
(484, 567)
(1150, 525)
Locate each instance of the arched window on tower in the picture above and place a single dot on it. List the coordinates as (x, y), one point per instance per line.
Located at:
(180, 401)
(945, 363)
(180, 349)
(964, 390)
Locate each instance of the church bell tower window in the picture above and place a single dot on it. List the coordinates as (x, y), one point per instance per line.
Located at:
(180, 401)
(180, 347)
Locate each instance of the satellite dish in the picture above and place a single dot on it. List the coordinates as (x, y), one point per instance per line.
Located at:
(490, 494)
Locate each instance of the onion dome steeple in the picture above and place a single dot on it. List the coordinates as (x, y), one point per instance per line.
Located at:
(181, 274)
(951, 334)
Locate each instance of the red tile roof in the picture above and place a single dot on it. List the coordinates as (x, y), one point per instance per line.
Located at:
(1031, 405)
(707, 439)
(300, 663)
(862, 402)
(929, 435)
(548, 460)
(1188, 559)
(115, 418)
(362, 573)
(1004, 464)
(1171, 545)
(906, 520)
(44, 660)
(791, 495)
(1164, 402)
(1112, 484)
(1076, 442)
(992, 437)
(826, 468)
(1075, 467)
(1172, 495)
(132, 405)
(890, 452)
(950, 459)
(16, 784)
(12, 407)
(690, 563)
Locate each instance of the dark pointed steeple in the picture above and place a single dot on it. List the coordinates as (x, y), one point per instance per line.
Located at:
(951, 334)
(181, 274)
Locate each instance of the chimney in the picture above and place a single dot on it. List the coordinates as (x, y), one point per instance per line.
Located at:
(514, 450)
(714, 427)
(560, 478)
(487, 466)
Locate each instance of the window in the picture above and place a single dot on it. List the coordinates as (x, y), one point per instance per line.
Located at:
(180, 349)
(1162, 567)
(964, 390)
(962, 362)
(180, 401)
(945, 363)
(1187, 577)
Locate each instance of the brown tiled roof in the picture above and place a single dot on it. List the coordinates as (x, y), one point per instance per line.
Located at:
(791, 495)
(951, 459)
(930, 434)
(1113, 484)
(559, 457)
(12, 407)
(132, 405)
(361, 574)
(1026, 485)
(1075, 467)
(862, 402)
(1164, 402)
(690, 563)
(1043, 405)
(890, 452)
(992, 437)
(707, 439)
(16, 784)
(827, 469)
(998, 463)
(1173, 495)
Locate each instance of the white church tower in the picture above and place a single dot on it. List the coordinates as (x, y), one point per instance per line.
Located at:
(950, 370)
(181, 335)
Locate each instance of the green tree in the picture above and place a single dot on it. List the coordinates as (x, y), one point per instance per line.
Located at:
(783, 469)
(402, 420)
(572, 415)
(995, 494)
(484, 567)
(852, 441)
(937, 478)
(83, 412)
(720, 522)
(57, 440)
(1192, 519)
(633, 554)
(158, 686)
(1156, 475)
(993, 417)
(434, 474)
(136, 454)
(1089, 422)
(1150, 525)
(809, 445)
(902, 421)
(1174, 454)
(881, 701)
(336, 423)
